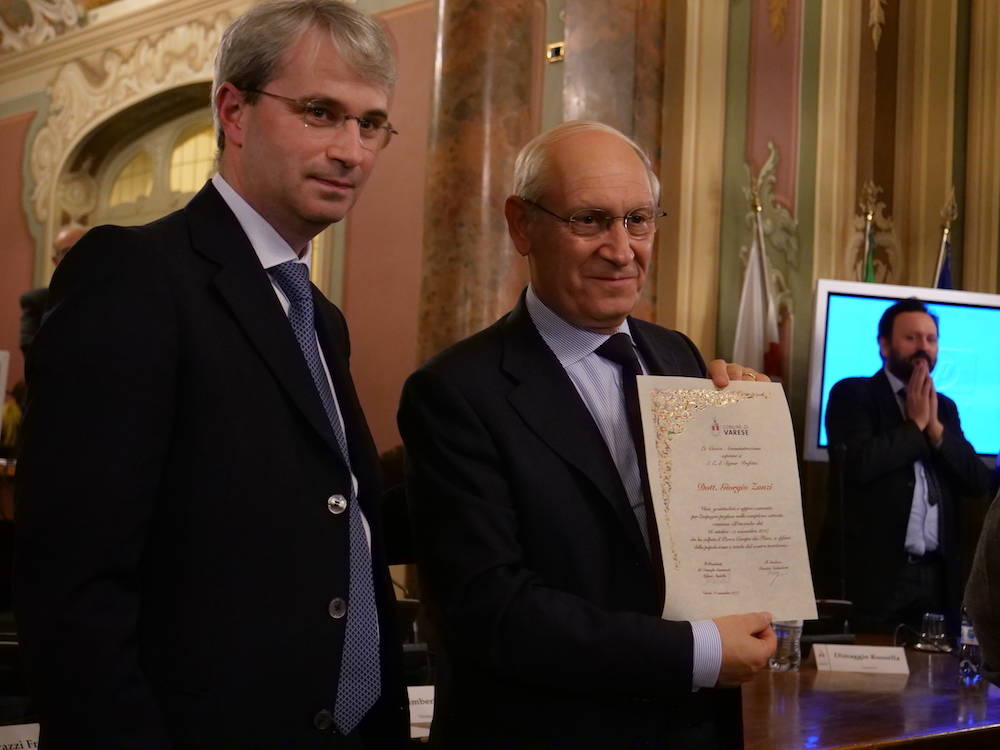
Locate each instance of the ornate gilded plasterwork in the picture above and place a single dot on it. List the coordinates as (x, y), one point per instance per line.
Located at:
(48, 19)
(777, 10)
(781, 231)
(126, 75)
(887, 261)
(876, 20)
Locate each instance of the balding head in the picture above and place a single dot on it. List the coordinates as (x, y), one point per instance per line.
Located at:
(65, 239)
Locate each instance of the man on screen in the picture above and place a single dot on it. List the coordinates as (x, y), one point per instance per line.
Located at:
(905, 467)
(534, 535)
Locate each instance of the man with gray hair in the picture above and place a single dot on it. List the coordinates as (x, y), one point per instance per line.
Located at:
(200, 561)
(534, 528)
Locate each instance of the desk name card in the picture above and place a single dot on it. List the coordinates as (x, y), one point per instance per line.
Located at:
(874, 659)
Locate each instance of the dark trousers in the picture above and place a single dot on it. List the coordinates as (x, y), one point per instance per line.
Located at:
(918, 590)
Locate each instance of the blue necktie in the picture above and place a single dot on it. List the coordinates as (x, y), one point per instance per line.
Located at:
(620, 350)
(360, 681)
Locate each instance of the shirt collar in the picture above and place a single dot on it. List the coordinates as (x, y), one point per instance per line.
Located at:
(569, 343)
(270, 247)
(894, 382)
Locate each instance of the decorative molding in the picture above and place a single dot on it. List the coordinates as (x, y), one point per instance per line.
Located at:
(777, 11)
(128, 74)
(781, 231)
(76, 194)
(887, 261)
(49, 18)
(120, 31)
(876, 20)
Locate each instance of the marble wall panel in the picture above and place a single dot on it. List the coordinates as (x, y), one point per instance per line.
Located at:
(486, 106)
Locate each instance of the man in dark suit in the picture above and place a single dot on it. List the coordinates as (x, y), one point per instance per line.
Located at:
(200, 560)
(33, 301)
(533, 533)
(906, 468)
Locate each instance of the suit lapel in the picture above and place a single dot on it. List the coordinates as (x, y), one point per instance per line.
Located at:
(548, 402)
(887, 404)
(244, 287)
(659, 362)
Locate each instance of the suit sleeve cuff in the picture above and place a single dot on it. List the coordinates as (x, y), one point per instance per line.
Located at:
(707, 654)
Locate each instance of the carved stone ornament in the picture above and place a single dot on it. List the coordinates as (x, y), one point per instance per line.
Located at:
(128, 74)
(49, 18)
(77, 194)
(887, 261)
(781, 231)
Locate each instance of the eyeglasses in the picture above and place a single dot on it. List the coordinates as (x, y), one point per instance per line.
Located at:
(373, 132)
(590, 222)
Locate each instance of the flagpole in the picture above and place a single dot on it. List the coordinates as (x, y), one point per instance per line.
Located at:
(948, 214)
(869, 198)
(759, 228)
(945, 231)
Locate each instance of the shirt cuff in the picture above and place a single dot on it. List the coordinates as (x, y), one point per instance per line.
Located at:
(707, 654)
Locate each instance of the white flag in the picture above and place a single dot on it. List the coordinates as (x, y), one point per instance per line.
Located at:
(757, 321)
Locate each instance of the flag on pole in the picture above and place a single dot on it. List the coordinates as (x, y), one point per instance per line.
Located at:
(757, 320)
(942, 279)
(869, 269)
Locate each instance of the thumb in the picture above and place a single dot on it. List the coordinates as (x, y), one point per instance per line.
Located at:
(758, 622)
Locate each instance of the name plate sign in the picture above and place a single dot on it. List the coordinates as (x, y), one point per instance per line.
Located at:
(873, 659)
(421, 710)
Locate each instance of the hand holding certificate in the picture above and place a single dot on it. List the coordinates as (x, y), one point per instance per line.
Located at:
(725, 489)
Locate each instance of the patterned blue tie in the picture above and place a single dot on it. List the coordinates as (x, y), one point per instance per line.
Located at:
(360, 681)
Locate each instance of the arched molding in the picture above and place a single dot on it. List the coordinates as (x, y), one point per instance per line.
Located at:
(83, 98)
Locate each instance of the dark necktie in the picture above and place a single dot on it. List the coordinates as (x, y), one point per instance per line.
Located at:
(930, 475)
(359, 686)
(619, 349)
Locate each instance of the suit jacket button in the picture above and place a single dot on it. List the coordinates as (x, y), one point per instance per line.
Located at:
(338, 608)
(336, 504)
(323, 720)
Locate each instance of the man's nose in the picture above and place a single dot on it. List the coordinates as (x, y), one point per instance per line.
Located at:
(344, 144)
(617, 246)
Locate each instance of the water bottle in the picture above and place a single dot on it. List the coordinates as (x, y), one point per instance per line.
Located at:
(969, 656)
(788, 654)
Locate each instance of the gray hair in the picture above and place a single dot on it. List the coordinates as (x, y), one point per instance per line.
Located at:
(252, 48)
(531, 166)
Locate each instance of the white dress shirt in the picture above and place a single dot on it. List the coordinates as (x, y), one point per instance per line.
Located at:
(599, 383)
(272, 250)
(922, 529)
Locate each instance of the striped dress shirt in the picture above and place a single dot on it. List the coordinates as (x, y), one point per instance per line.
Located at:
(599, 383)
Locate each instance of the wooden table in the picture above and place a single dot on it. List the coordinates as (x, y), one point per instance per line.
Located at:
(926, 709)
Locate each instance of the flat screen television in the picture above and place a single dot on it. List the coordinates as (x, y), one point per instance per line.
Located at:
(845, 344)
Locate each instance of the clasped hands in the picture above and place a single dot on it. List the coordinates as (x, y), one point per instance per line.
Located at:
(922, 403)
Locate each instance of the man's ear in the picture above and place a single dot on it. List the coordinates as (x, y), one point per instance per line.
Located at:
(516, 212)
(231, 108)
(883, 347)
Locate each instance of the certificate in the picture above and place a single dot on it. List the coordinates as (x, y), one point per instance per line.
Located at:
(725, 488)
